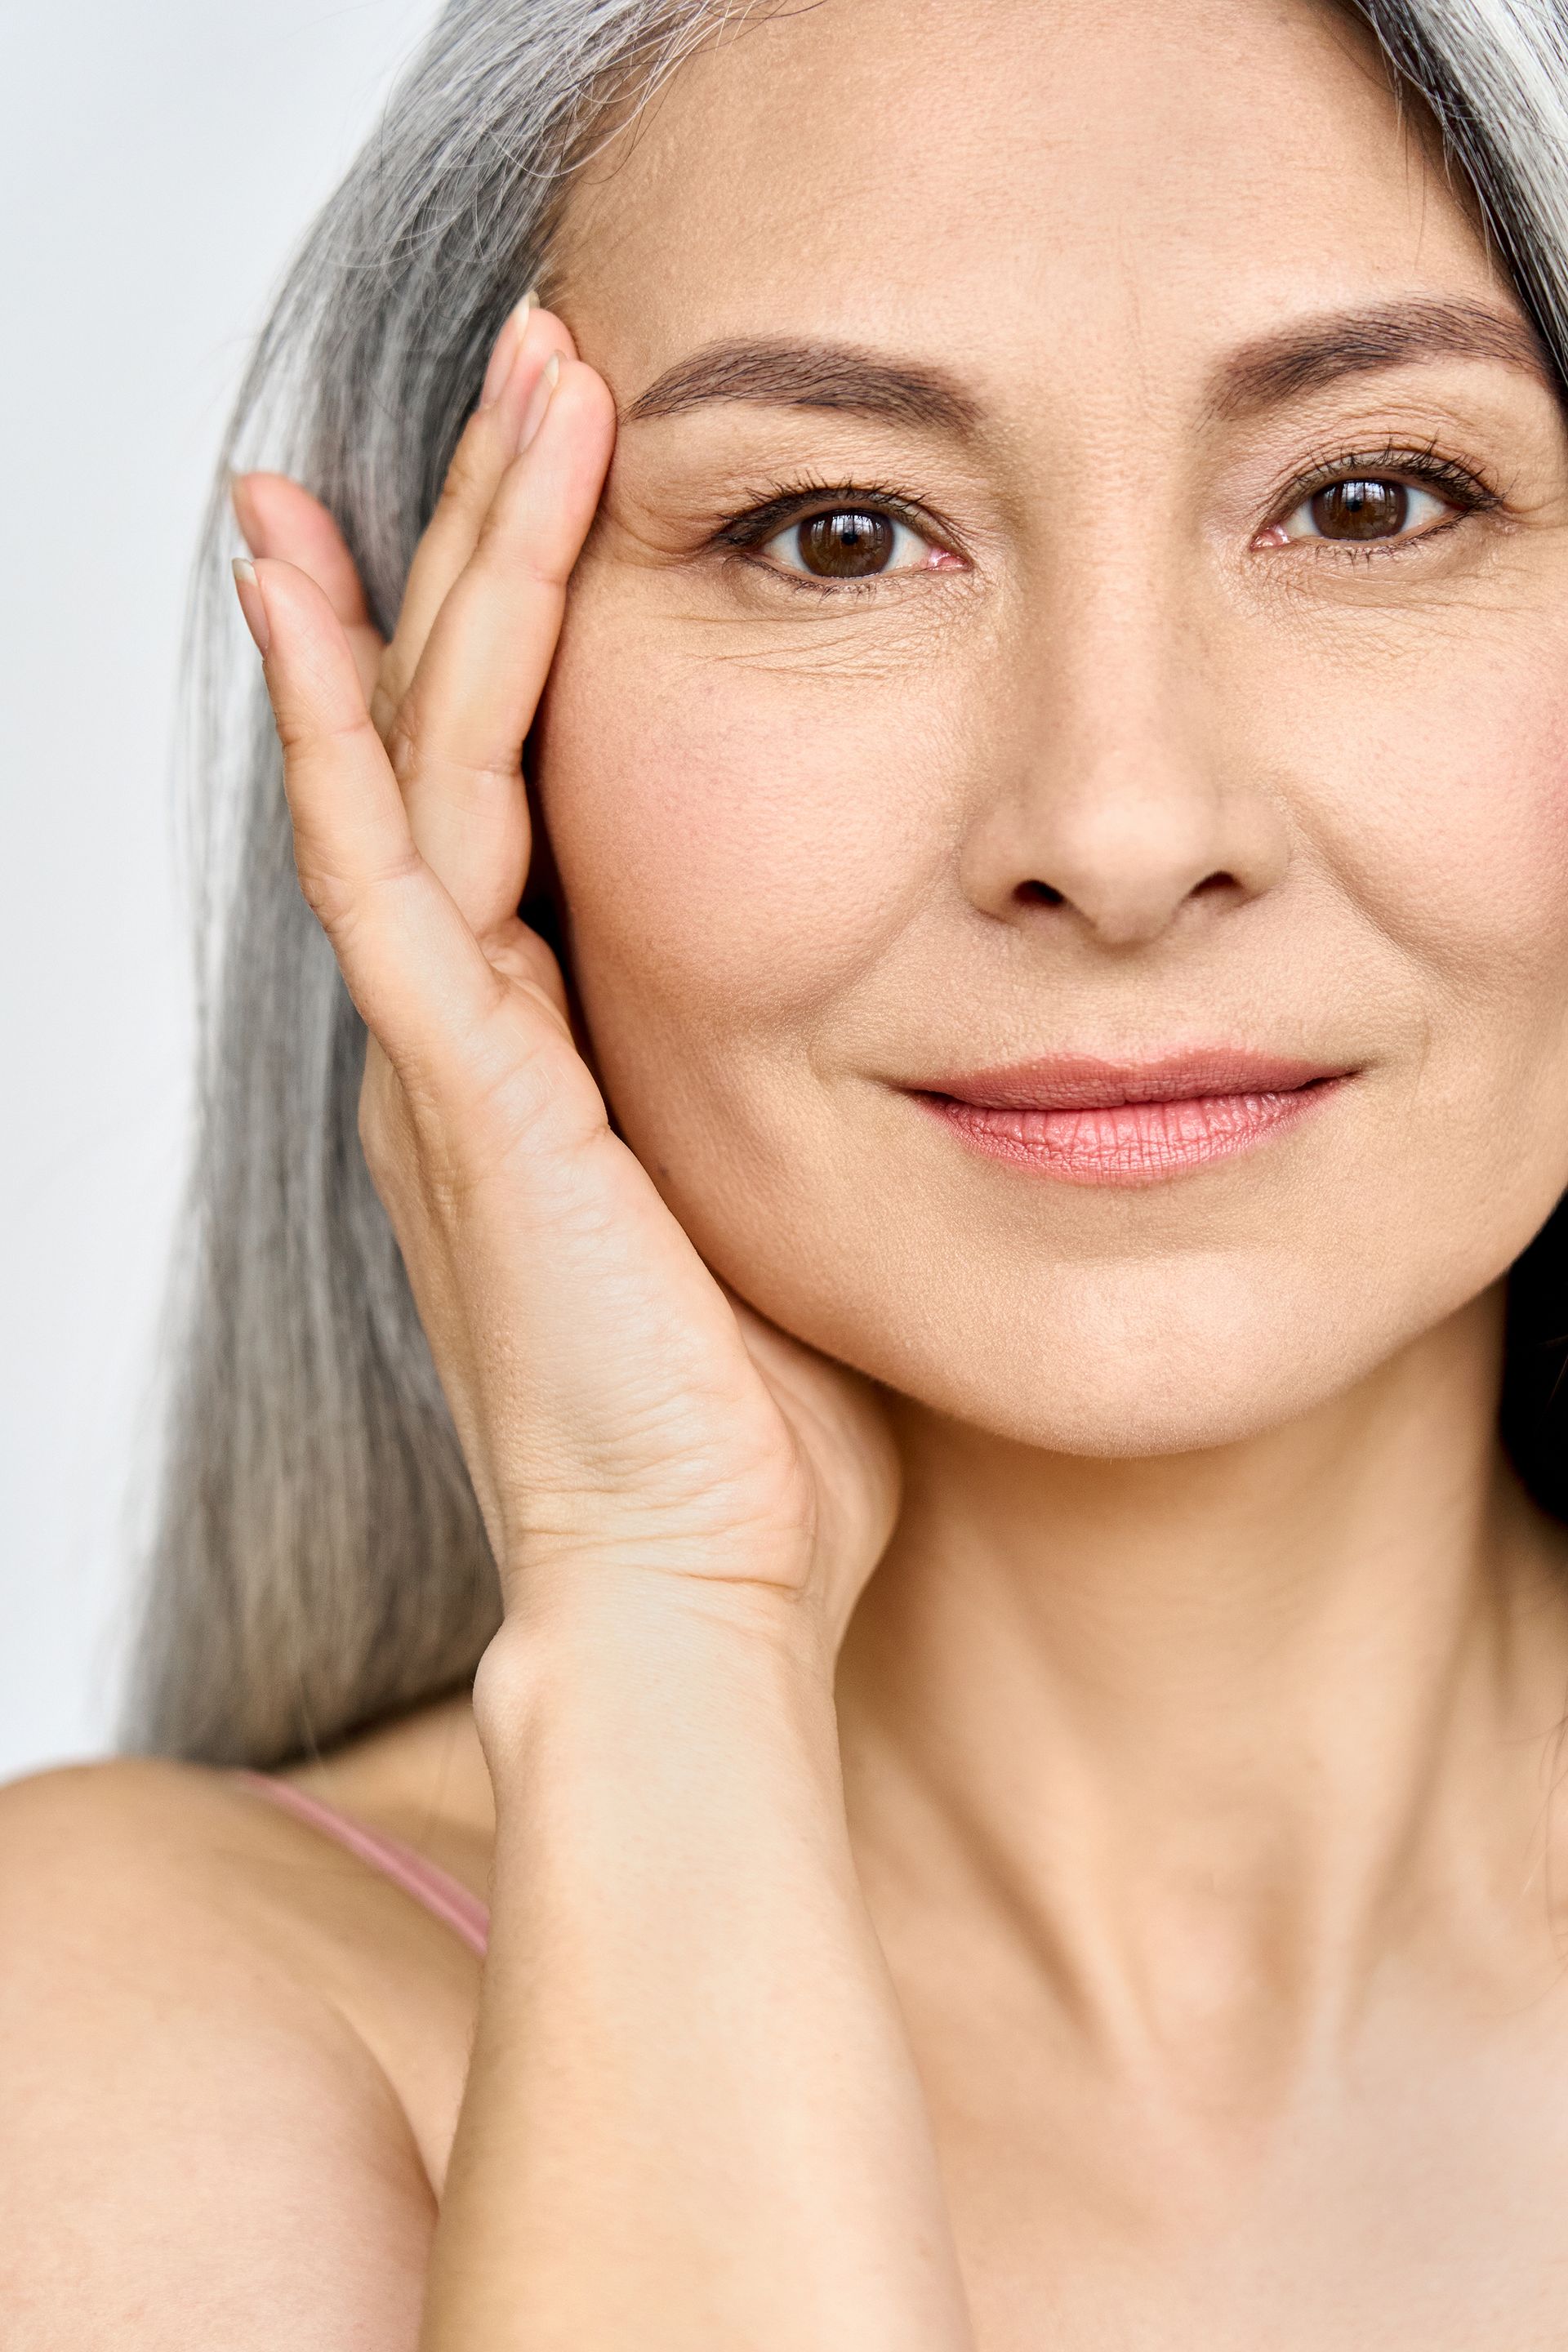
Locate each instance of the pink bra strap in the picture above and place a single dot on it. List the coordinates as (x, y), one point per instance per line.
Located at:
(440, 1894)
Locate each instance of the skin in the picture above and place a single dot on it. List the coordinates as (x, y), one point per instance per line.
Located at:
(1186, 1762)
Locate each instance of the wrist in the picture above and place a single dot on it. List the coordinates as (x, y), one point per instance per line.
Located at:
(637, 1657)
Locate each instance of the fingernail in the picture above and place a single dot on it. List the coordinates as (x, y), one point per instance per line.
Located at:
(245, 513)
(252, 604)
(539, 400)
(509, 342)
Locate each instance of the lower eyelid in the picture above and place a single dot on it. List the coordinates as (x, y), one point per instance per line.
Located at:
(809, 583)
(1451, 512)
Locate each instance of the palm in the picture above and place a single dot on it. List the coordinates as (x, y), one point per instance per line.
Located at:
(745, 1448)
(612, 1397)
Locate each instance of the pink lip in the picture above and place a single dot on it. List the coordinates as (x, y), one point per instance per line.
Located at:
(1087, 1121)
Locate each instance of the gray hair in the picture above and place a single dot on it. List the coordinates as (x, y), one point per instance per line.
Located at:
(318, 1561)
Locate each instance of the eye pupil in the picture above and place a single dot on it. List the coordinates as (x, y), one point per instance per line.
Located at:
(846, 544)
(1362, 509)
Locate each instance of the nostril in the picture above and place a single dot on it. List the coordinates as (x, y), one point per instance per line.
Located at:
(1038, 894)
(1215, 882)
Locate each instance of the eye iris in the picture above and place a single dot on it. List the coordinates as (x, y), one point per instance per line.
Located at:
(846, 545)
(1362, 509)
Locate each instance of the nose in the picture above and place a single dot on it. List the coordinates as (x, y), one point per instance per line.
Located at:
(1119, 791)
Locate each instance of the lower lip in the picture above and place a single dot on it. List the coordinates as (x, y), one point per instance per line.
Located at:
(1135, 1143)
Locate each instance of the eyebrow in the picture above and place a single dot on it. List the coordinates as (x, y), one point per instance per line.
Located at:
(811, 375)
(1263, 373)
(1325, 350)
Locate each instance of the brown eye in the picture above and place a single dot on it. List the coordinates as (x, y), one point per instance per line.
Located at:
(845, 544)
(1366, 506)
(1367, 510)
(849, 544)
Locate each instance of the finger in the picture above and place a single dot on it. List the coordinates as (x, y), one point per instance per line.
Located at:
(277, 517)
(490, 441)
(457, 742)
(412, 964)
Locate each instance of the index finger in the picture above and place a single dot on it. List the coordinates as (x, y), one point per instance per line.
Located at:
(457, 744)
(490, 441)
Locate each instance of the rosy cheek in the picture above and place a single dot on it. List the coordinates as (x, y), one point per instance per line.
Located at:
(738, 843)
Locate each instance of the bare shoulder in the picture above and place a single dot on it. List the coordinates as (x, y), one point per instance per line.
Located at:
(143, 1859)
(99, 1829)
(202, 2144)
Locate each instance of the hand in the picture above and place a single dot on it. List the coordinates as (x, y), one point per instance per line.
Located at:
(628, 1422)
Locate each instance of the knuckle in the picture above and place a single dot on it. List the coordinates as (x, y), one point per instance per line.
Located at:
(309, 736)
(403, 1134)
(339, 899)
(327, 894)
(530, 1097)
(508, 547)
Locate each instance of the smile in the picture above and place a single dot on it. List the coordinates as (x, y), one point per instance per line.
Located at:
(1091, 1123)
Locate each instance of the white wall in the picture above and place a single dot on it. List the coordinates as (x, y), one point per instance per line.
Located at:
(161, 157)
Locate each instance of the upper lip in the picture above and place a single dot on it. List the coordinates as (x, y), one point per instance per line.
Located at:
(1084, 1082)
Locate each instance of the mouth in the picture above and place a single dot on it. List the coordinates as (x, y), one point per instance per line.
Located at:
(1086, 1121)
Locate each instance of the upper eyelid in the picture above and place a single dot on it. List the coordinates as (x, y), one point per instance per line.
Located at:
(1428, 471)
(763, 521)
(1429, 467)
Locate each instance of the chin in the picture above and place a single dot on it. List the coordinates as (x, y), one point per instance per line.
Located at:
(1153, 1357)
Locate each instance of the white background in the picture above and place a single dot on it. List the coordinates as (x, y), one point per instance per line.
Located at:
(161, 159)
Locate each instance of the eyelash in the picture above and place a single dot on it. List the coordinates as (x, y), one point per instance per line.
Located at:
(781, 504)
(784, 503)
(1463, 486)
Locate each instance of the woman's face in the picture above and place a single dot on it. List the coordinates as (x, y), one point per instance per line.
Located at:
(1103, 734)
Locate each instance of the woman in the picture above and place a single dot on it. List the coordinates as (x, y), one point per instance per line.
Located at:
(1006, 1527)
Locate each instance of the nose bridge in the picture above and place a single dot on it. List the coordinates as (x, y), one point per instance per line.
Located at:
(1117, 795)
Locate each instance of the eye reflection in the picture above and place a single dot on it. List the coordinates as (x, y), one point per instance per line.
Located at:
(849, 544)
(1367, 508)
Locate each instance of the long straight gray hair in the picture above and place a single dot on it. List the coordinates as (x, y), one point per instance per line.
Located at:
(319, 1561)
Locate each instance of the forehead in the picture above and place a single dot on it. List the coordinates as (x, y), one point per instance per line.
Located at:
(1010, 173)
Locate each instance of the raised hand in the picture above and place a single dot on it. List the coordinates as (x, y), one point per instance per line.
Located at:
(623, 1416)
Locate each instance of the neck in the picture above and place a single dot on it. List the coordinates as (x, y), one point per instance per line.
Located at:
(1203, 1737)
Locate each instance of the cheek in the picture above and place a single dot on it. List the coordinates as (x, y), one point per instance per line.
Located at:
(1441, 802)
(749, 845)
(736, 842)
(1431, 793)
